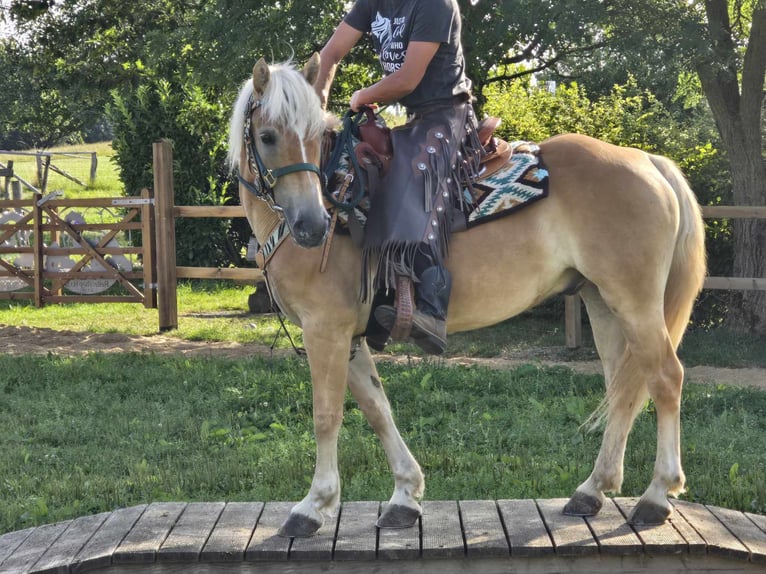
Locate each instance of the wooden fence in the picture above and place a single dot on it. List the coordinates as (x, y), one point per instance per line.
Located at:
(45, 165)
(38, 242)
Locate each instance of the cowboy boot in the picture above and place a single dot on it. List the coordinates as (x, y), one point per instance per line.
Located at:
(429, 321)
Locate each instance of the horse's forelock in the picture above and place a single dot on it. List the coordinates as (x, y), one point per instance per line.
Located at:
(289, 102)
(292, 103)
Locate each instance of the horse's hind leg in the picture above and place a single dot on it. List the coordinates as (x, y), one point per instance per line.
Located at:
(625, 396)
(651, 365)
(403, 509)
(657, 357)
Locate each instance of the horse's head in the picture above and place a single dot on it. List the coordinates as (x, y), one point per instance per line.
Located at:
(275, 141)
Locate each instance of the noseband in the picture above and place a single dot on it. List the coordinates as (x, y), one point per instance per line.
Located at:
(266, 179)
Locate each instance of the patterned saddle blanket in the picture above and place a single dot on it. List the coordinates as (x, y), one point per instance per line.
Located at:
(519, 183)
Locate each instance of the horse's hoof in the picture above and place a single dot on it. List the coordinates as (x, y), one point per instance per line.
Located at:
(582, 504)
(299, 526)
(398, 516)
(649, 514)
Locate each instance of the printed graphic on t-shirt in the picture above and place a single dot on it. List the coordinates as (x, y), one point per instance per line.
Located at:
(389, 35)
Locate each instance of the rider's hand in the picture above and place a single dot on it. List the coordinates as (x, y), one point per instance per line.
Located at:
(357, 102)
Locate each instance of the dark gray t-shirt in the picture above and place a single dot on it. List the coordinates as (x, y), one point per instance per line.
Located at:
(395, 23)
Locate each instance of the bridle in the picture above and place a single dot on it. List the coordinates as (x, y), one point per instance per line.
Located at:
(265, 179)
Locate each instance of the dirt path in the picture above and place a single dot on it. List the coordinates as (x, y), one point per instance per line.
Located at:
(30, 340)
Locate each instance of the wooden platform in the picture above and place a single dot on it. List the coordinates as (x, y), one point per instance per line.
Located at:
(466, 536)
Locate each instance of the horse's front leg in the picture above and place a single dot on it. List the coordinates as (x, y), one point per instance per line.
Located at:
(403, 509)
(328, 351)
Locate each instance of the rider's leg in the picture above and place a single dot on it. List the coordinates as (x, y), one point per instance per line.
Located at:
(432, 291)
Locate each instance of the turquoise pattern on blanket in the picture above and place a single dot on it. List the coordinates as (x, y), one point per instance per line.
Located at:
(523, 180)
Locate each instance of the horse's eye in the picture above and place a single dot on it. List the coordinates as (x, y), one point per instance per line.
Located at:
(268, 138)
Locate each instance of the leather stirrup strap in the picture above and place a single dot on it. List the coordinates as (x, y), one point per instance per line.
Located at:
(405, 307)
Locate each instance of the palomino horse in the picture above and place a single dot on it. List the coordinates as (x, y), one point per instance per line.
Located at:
(619, 223)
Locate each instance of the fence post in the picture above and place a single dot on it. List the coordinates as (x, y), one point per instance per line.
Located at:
(39, 247)
(165, 234)
(149, 251)
(8, 173)
(93, 167)
(573, 321)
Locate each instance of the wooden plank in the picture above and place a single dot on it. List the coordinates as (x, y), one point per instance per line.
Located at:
(224, 211)
(39, 262)
(141, 544)
(317, 547)
(613, 534)
(734, 211)
(483, 529)
(718, 538)
(657, 539)
(399, 543)
(12, 540)
(527, 534)
(33, 547)
(242, 274)
(735, 283)
(186, 540)
(760, 522)
(231, 535)
(746, 531)
(571, 535)
(61, 553)
(265, 544)
(442, 533)
(357, 537)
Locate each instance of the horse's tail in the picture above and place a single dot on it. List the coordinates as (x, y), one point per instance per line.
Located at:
(688, 268)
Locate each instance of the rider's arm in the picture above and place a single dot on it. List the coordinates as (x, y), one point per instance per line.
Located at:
(343, 39)
(398, 84)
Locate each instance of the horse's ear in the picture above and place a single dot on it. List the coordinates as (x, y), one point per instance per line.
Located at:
(260, 76)
(311, 69)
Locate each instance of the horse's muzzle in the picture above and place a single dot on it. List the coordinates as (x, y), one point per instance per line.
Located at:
(310, 231)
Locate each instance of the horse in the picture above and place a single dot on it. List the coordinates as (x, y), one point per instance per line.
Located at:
(620, 225)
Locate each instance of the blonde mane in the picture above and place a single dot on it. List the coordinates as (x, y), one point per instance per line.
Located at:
(289, 102)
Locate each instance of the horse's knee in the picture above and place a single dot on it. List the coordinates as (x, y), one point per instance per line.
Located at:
(327, 423)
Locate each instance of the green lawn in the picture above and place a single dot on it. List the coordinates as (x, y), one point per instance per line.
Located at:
(97, 432)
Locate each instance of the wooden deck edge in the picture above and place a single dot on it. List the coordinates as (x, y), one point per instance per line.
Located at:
(477, 536)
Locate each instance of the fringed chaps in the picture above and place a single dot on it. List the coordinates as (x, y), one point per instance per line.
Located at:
(412, 210)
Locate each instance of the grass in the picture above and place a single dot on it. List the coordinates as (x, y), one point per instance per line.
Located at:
(93, 433)
(107, 183)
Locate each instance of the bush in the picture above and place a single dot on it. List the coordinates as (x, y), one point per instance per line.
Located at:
(195, 122)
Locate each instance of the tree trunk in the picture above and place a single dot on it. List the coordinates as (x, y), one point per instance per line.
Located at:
(737, 112)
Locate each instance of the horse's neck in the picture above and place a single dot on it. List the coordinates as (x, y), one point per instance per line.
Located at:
(263, 221)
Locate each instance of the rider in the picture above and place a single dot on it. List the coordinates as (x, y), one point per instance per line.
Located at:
(419, 48)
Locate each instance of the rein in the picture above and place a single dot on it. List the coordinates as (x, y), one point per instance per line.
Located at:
(266, 179)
